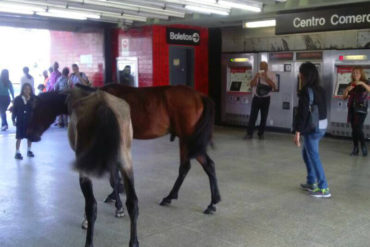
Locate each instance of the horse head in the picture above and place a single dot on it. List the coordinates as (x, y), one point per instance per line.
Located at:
(45, 108)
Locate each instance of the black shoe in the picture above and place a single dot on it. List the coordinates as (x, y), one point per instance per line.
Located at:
(30, 154)
(247, 137)
(18, 156)
(4, 127)
(355, 151)
(261, 137)
(364, 150)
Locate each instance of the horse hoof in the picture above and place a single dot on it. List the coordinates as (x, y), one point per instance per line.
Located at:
(109, 200)
(84, 224)
(120, 213)
(210, 210)
(165, 202)
(134, 244)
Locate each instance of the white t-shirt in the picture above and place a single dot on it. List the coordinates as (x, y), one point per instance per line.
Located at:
(272, 76)
(25, 79)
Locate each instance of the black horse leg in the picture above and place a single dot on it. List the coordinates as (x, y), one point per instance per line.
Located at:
(90, 208)
(118, 204)
(183, 171)
(112, 180)
(209, 167)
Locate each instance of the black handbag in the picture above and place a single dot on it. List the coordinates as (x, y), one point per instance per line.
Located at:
(360, 107)
(312, 123)
(262, 90)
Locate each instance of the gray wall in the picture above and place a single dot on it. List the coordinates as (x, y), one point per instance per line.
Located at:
(264, 39)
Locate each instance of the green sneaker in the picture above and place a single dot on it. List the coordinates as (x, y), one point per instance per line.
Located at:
(321, 193)
(309, 187)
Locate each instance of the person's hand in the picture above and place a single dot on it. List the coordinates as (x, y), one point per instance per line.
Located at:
(361, 83)
(297, 139)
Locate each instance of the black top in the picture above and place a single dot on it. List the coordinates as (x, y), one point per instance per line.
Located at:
(303, 107)
(21, 114)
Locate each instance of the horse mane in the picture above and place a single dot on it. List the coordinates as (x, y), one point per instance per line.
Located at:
(56, 100)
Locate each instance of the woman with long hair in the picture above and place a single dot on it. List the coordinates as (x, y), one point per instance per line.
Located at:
(21, 114)
(312, 96)
(6, 88)
(357, 93)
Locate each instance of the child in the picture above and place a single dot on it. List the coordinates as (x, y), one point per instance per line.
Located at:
(21, 113)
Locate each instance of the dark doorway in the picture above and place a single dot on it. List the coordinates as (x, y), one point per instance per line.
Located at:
(181, 65)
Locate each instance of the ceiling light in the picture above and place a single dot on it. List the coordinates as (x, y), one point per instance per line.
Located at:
(67, 14)
(206, 10)
(238, 5)
(257, 24)
(18, 8)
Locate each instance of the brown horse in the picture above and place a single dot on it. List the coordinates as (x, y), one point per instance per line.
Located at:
(156, 111)
(100, 133)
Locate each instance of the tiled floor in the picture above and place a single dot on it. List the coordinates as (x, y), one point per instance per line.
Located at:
(41, 203)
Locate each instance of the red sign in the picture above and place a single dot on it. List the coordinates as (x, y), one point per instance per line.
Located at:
(281, 56)
(239, 69)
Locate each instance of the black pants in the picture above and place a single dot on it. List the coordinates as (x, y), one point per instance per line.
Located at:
(357, 124)
(258, 104)
(4, 103)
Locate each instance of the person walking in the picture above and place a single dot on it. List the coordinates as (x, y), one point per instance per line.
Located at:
(61, 85)
(6, 89)
(53, 77)
(78, 77)
(311, 106)
(357, 93)
(263, 83)
(20, 116)
(27, 78)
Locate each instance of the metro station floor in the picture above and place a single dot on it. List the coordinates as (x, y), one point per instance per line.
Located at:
(41, 203)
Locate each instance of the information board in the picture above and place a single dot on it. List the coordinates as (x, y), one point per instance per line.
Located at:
(239, 79)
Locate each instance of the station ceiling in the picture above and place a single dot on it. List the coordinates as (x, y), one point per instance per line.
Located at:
(209, 13)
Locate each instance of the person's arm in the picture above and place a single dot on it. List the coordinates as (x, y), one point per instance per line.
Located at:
(11, 89)
(346, 91)
(83, 78)
(364, 85)
(270, 81)
(14, 112)
(254, 81)
(301, 117)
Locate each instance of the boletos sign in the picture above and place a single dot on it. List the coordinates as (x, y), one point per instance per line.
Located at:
(337, 18)
(183, 36)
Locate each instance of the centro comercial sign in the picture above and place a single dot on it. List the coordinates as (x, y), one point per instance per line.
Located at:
(181, 36)
(341, 18)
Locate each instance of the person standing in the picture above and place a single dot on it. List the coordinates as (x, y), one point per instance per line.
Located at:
(27, 78)
(125, 77)
(263, 83)
(60, 85)
(6, 88)
(310, 96)
(53, 77)
(20, 116)
(357, 93)
(78, 77)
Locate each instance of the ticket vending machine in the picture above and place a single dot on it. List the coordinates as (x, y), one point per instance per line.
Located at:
(236, 98)
(281, 106)
(341, 64)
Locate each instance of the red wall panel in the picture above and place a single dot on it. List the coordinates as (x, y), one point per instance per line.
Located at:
(149, 44)
(67, 48)
(139, 45)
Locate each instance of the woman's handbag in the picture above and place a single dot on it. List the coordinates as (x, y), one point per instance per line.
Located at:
(262, 90)
(312, 123)
(360, 106)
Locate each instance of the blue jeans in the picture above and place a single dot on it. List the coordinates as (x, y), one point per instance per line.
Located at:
(311, 157)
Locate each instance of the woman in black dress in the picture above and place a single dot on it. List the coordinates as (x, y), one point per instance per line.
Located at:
(21, 114)
(357, 93)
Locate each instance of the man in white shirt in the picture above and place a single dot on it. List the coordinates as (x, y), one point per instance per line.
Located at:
(78, 77)
(27, 78)
(263, 83)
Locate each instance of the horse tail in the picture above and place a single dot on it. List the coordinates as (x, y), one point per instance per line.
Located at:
(202, 136)
(103, 153)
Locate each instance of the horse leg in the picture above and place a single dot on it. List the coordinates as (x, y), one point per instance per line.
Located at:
(209, 167)
(131, 198)
(112, 180)
(183, 171)
(90, 208)
(118, 204)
